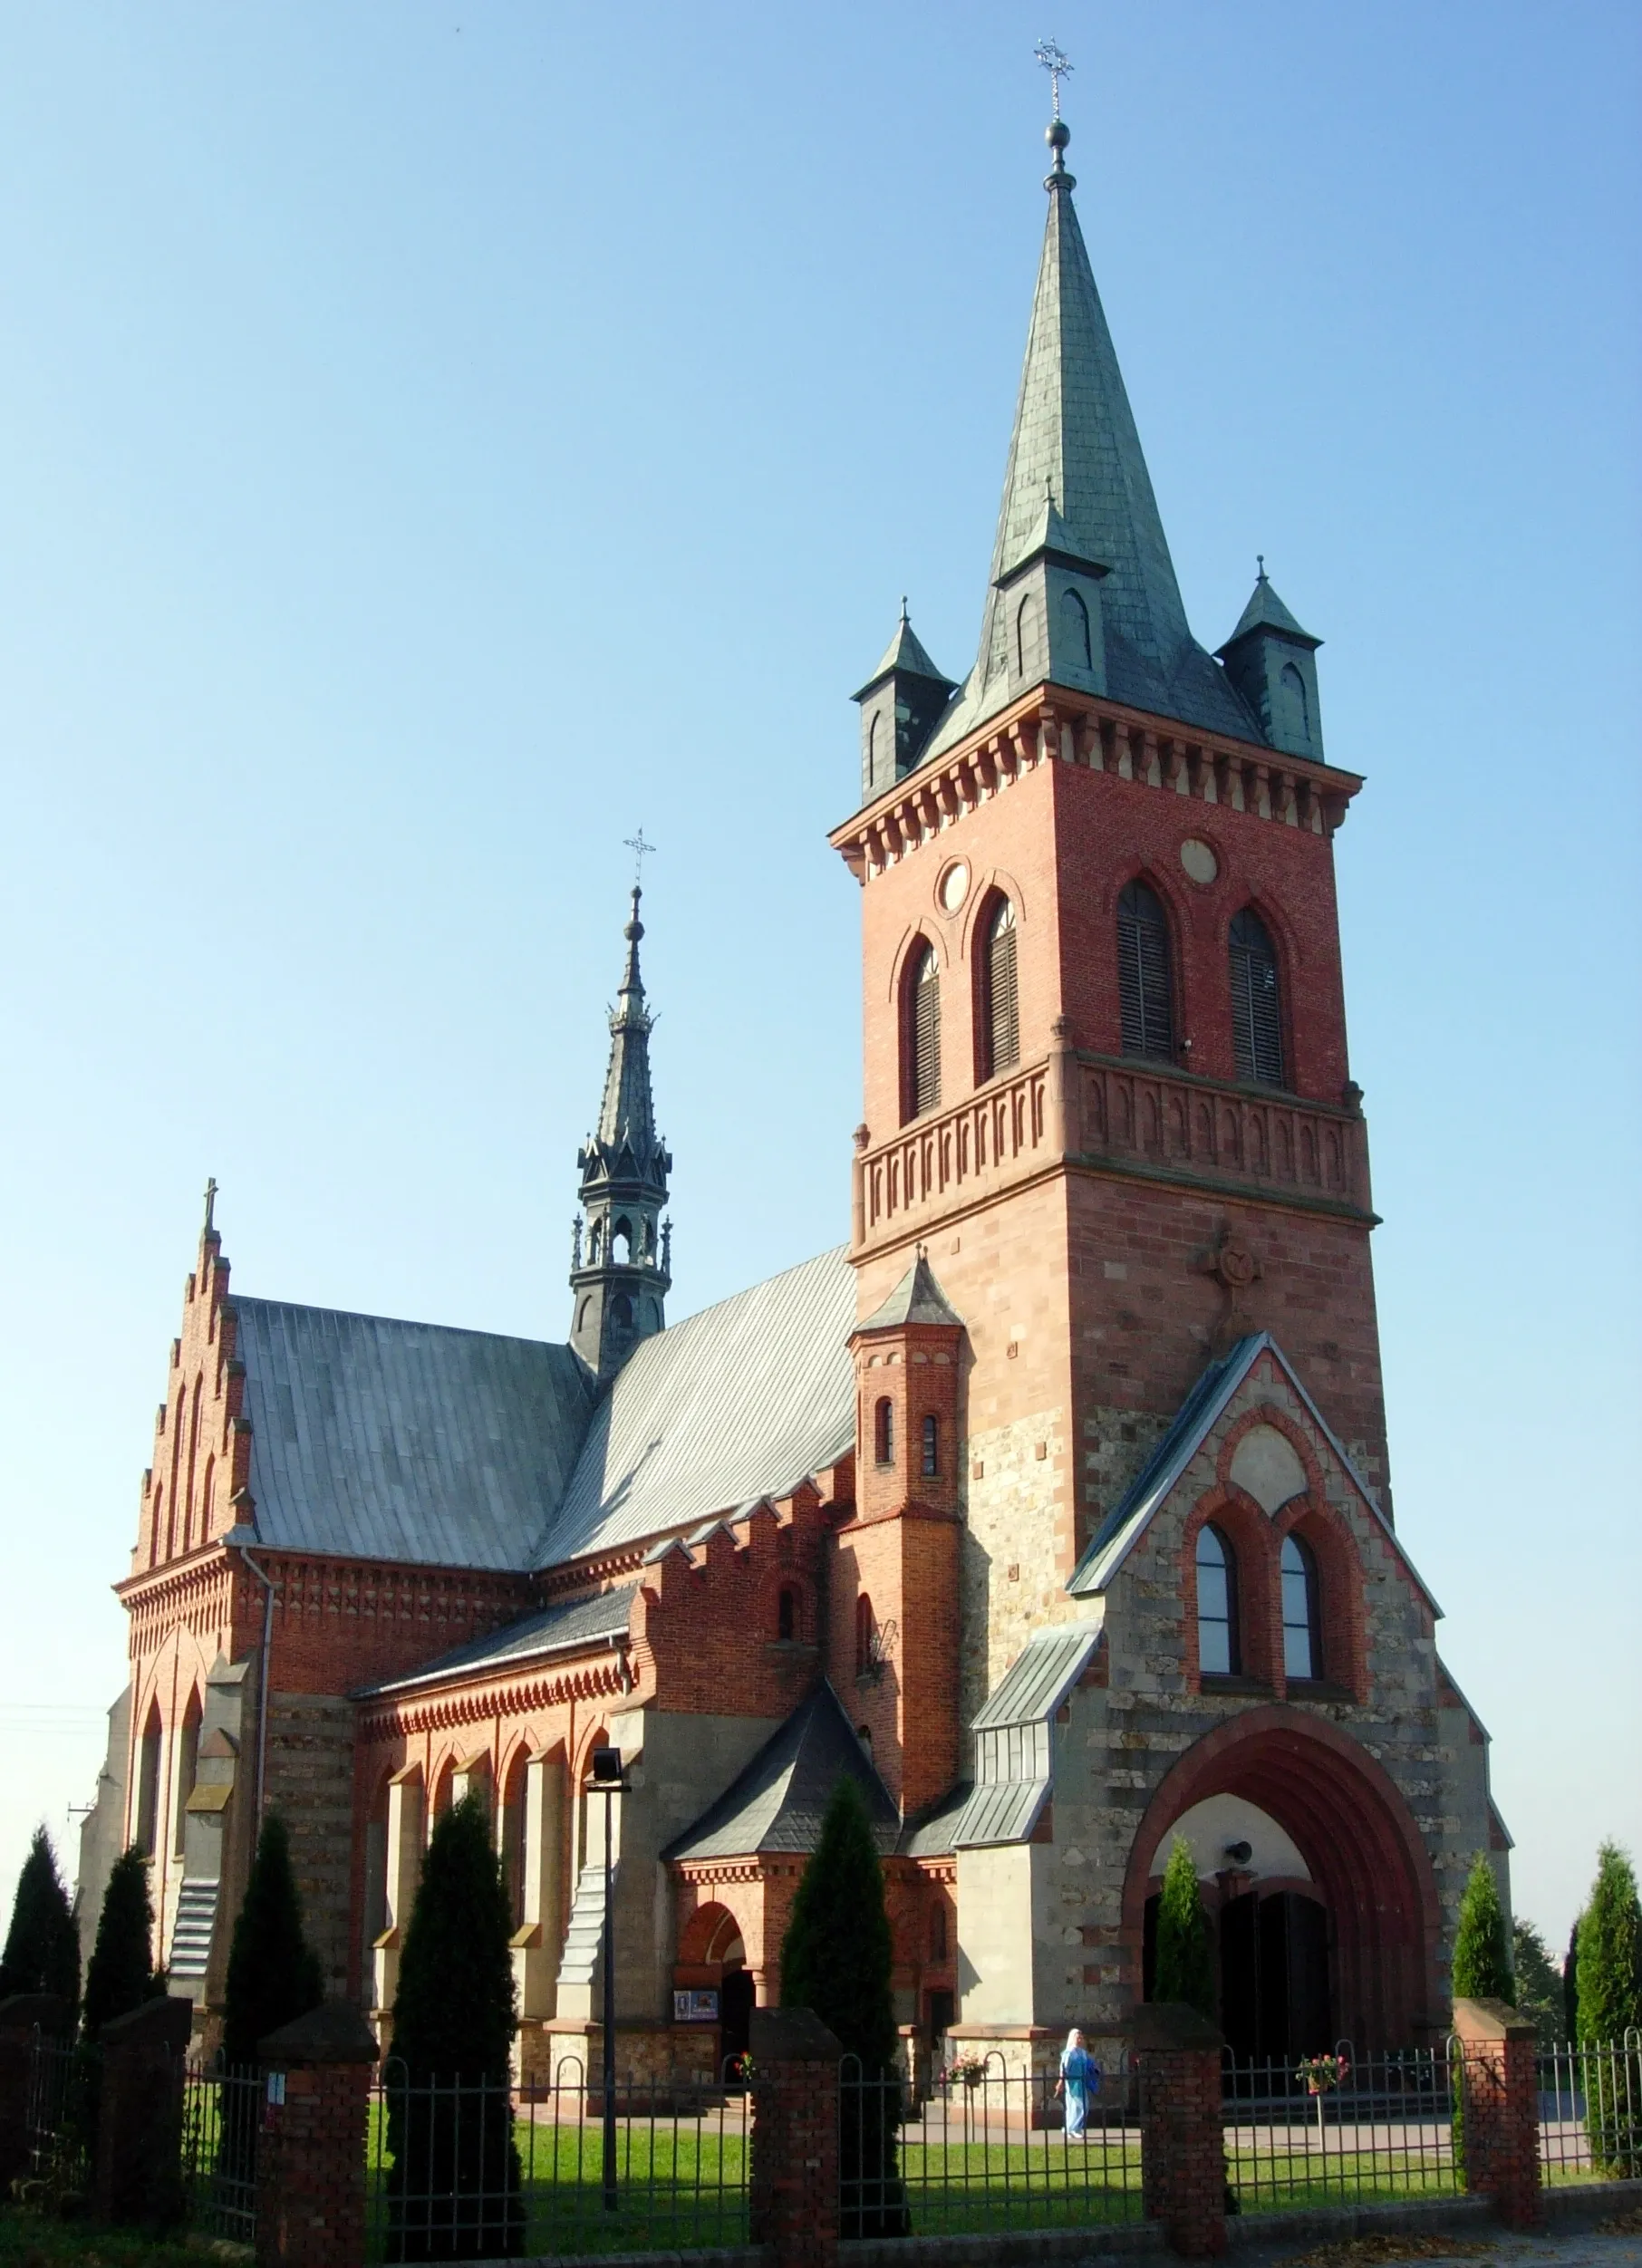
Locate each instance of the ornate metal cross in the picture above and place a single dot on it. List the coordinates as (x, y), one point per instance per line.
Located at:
(1057, 62)
(641, 851)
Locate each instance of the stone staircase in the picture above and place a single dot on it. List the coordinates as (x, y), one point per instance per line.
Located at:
(191, 1931)
(584, 1939)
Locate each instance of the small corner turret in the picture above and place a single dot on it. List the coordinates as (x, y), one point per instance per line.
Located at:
(901, 703)
(1272, 663)
(621, 1248)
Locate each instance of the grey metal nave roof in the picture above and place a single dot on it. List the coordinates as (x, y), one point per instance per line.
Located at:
(383, 1440)
(580, 1622)
(738, 1402)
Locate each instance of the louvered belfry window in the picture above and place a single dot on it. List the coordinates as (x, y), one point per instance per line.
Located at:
(1256, 1024)
(1002, 1030)
(923, 1036)
(1146, 986)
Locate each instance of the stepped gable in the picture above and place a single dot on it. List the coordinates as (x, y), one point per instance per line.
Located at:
(740, 1402)
(376, 1439)
(778, 1801)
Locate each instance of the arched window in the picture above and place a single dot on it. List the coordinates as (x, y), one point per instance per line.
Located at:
(787, 1613)
(1075, 623)
(620, 1242)
(1000, 1002)
(864, 1734)
(932, 1446)
(1145, 985)
(865, 1631)
(1302, 1626)
(1026, 635)
(146, 1824)
(189, 1505)
(1294, 711)
(922, 1045)
(188, 1770)
(938, 1940)
(620, 1312)
(1257, 1023)
(884, 1431)
(204, 1497)
(1218, 1653)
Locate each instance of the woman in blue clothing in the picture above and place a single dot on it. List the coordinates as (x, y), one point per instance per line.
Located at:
(1078, 2082)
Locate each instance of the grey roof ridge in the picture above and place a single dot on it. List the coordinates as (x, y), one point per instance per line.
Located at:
(454, 1665)
(237, 1298)
(1128, 1522)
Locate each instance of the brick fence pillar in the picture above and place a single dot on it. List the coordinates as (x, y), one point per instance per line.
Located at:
(311, 2148)
(1183, 2164)
(792, 2187)
(20, 2017)
(137, 2174)
(1498, 2050)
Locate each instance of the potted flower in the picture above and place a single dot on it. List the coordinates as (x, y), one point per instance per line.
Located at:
(1320, 2075)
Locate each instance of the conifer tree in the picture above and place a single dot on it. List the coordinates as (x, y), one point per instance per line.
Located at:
(42, 1945)
(1185, 1955)
(1570, 1983)
(1611, 2004)
(1539, 1987)
(120, 1974)
(836, 1960)
(454, 2192)
(1481, 1950)
(273, 1975)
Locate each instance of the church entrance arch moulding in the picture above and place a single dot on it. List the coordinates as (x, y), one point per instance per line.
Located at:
(1359, 1842)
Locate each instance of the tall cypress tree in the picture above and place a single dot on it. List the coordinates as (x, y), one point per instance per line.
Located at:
(273, 1975)
(1482, 1947)
(1539, 1987)
(120, 1974)
(1186, 1953)
(1611, 2004)
(42, 1945)
(454, 2192)
(1570, 1983)
(836, 1960)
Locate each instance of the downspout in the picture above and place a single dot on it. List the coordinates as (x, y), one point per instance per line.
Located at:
(262, 1673)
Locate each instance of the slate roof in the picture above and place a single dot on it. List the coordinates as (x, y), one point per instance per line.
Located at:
(776, 1801)
(1004, 1807)
(916, 1299)
(1075, 437)
(385, 1440)
(907, 652)
(577, 1623)
(738, 1402)
(1198, 1414)
(1266, 611)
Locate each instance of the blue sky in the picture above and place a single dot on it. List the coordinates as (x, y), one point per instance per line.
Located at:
(434, 440)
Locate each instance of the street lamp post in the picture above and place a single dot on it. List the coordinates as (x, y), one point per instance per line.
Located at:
(608, 1782)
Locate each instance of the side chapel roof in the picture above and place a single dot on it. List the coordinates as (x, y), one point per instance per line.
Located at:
(571, 1626)
(776, 1802)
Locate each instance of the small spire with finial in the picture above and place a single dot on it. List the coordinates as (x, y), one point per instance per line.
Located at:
(904, 615)
(1057, 133)
(1260, 560)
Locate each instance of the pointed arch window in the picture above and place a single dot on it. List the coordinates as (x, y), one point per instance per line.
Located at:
(1075, 623)
(1257, 1022)
(1294, 709)
(1001, 1003)
(146, 1822)
(932, 1447)
(1218, 1655)
(866, 1630)
(1145, 985)
(922, 1039)
(884, 1431)
(1302, 1625)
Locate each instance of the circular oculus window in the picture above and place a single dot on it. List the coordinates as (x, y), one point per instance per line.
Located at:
(953, 887)
(1199, 860)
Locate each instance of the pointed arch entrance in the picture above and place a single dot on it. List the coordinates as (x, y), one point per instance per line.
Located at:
(1371, 1916)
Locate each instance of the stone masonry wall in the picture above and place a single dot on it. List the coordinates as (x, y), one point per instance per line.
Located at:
(310, 1780)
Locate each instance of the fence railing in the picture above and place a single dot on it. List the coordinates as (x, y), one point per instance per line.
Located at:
(1341, 2129)
(988, 2148)
(221, 2110)
(461, 2168)
(1590, 2111)
(60, 2113)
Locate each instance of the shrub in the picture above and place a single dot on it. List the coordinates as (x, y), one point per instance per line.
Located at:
(120, 1974)
(1482, 1949)
(454, 2191)
(836, 1960)
(1539, 1987)
(273, 1978)
(42, 1945)
(1611, 2004)
(1186, 1953)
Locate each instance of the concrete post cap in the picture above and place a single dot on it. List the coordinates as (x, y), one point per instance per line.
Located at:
(790, 2035)
(21, 2011)
(1490, 2020)
(1162, 2025)
(334, 2033)
(159, 2023)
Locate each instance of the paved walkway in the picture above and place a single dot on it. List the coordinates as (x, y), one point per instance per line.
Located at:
(1562, 2248)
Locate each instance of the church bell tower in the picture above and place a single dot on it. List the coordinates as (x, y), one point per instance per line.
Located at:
(621, 1249)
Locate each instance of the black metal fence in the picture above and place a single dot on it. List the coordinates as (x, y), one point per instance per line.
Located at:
(1341, 2128)
(463, 2169)
(221, 2111)
(60, 2113)
(988, 2148)
(1590, 2111)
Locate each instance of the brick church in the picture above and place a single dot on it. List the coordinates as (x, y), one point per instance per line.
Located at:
(1053, 1505)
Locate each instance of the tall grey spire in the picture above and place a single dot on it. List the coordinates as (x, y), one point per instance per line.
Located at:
(620, 1256)
(1077, 495)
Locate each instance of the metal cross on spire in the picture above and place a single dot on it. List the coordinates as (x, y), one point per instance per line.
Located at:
(1057, 62)
(210, 1204)
(641, 851)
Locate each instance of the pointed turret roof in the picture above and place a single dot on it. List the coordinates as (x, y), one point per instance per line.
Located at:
(916, 1299)
(1266, 611)
(1075, 440)
(627, 1113)
(906, 653)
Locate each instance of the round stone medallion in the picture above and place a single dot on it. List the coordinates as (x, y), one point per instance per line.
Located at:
(1199, 860)
(953, 887)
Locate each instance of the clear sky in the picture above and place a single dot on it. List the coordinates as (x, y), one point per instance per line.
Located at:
(436, 439)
